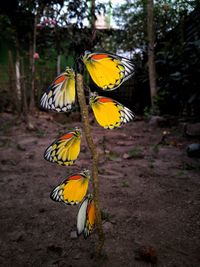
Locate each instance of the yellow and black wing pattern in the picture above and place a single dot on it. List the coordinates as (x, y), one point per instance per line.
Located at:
(86, 216)
(60, 96)
(73, 189)
(109, 113)
(65, 150)
(108, 71)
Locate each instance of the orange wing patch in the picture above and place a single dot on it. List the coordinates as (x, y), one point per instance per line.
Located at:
(99, 56)
(60, 96)
(86, 216)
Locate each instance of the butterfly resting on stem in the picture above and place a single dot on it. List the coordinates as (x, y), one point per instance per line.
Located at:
(86, 216)
(64, 150)
(60, 96)
(108, 71)
(73, 189)
(108, 112)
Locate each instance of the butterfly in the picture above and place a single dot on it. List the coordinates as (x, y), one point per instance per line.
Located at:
(60, 96)
(108, 112)
(73, 189)
(108, 71)
(64, 150)
(86, 216)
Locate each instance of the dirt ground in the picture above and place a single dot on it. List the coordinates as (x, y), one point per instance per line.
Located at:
(150, 197)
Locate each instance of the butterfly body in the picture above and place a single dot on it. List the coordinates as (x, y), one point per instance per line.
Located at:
(108, 71)
(73, 189)
(65, 150)
(108, 112)
(60, 96)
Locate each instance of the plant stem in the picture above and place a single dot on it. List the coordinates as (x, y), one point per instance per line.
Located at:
(95, 156)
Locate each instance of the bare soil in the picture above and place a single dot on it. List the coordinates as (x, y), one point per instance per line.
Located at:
(150, 197)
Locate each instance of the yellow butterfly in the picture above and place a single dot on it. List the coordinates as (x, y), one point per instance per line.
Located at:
(108, 71)
(86, 216)
(73, 189)
(65, 150)
(108, 112)
(60, 96)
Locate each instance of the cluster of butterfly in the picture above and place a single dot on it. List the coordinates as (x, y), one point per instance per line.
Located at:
(108, 71)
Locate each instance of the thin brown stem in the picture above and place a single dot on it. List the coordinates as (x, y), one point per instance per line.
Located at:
(95, 156)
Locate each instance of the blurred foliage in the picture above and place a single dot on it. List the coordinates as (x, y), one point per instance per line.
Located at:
(178, 71)
(125, 184)
(177, 55)
(60, 30)
(136, 153)
(132, 18)
(113, 156)
(63, 28)
(61, 25)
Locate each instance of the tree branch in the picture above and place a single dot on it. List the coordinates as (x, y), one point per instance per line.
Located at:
(95, 156)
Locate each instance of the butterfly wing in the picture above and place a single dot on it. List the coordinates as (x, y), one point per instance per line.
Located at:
(110, 113)
(86, 216)
(60, 95)
(65, 150)
(73, 189)
(90, 218)
(108, 71)
(81, 217)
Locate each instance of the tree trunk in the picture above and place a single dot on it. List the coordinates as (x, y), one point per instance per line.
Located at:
(18, 81)
(92, 15)
(32, 64)
(92, 23)
(58, 64)
(151, 55)
(23, 86)
(12, 86)
(18, 77)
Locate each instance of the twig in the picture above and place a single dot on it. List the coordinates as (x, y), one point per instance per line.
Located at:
(95, 156)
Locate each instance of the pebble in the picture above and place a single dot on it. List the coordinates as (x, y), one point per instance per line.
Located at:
(73, 235)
